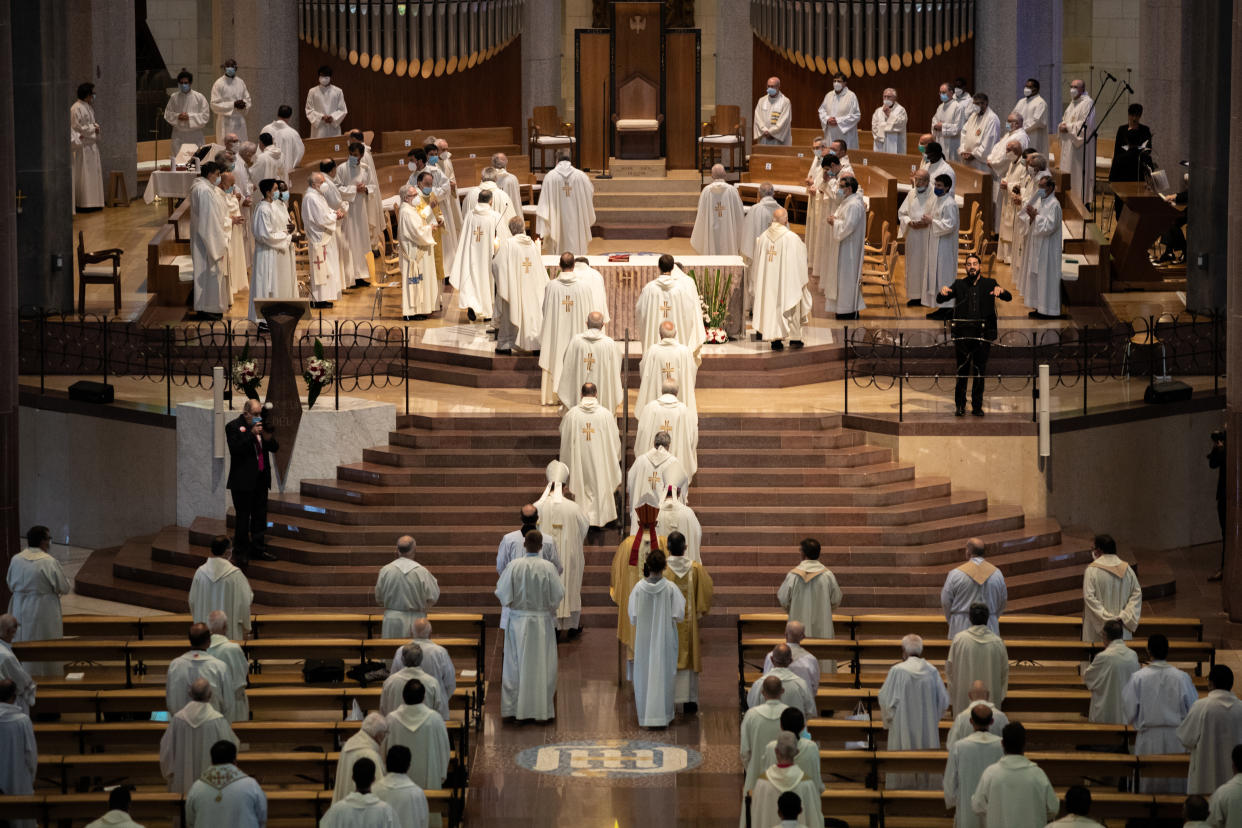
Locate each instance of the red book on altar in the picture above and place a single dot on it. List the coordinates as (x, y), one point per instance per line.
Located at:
(619, 257)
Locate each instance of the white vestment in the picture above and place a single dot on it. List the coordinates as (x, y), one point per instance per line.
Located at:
(391, 697)
(501, 204)
(809, 594)
(975, 580)
(219, 585)
(670, 297)
(406, 590)
(531, 588)
(270, 277)
(968, 758)
(1043, 257)
(814, 231)
(999, 160)
(797, 694)
(417, 727)
(320, 222)
(269, 163)
(566, 210)
(676, 516)
(1028, 196)
(775, 114)
(941, 249)
(843, 106)
(355, 228)
(233, 657)
(1034, 112)
(979, 134)
(236, 265)
(436, 661)
(224, 795)
(1006, 216)
(912, 700)
(591, 356)
(1106, 678)
(804, 665)
(450, 209)
(806, 758)
(941, 167)
(669, 414)
(416, 241)
(563, 520)
(775, 781)
(114, 819)
(652, 473)
(325, 100)
(225, 93)
(185, 747)
(520, 284)
(189, 131)
(919, 250)
(977, 654)
(190, 666)
(1110, 589)
(287, 139)
(510, 549)
(758, 219)
(88, 187)
(655, 610)
(1156, 701)
(360, 810)
(823, 243)
(718, 225)
(358, 746)
(510, 186)
(850, 232)
(210, 230)
(667, 359)
(1014, 792)
(779, 274)
(471, 270)
(1070, 155)
(962, 727)
(19, 755)
(590, 446)
(951, 115)
(407, 800)
(12, 670)
(760, 725)
(595, 281)
(37, 581)
(1210, 730)
(567, 300)
(888, 129)
(1226, 803)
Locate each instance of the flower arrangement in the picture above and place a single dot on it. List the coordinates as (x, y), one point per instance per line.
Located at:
(714, 291)
(319, 373)
(246, 374)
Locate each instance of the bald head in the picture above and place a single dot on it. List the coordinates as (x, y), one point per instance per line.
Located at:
(667, 330)
(978, 691)
(718, 172)
(921, 178)
(1013, 147)
(217, 622)
(976, 548)
(200, 690)
(772, 688)
(669, 387)
(567, 261)
(406, 546)
(781, 216)
(925, 138)
(595, 320)
(981, 717)
(8, 627)
(316, 180)
(795, 631)
(782, 656)
(421, 628)
(589, 390)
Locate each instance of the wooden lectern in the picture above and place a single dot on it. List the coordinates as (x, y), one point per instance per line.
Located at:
(1146, 216)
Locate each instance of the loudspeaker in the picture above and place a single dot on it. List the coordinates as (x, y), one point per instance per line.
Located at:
(89, 391)
(1167, 392)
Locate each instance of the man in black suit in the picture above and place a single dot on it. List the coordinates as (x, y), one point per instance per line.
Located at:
(974, 330)
(250, 477)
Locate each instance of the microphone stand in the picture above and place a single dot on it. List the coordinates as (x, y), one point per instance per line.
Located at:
(1089, 218)
(1121, 88)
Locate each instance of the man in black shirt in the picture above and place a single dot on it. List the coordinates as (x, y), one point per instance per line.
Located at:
(1131, 152)
(974, 330)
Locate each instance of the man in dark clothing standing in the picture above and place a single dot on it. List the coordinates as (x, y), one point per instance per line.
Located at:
(250, 477)
(974, 330)
(1131, 152)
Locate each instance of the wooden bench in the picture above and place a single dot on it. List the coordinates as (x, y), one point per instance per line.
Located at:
(926, 808)
(405, 140)
(169, 268)
(336, 146)
(787, 170)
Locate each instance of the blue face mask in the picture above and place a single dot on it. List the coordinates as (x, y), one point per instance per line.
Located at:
(939, 191)
(773, 91)
(922, 149)
(230, 71)
(433, 159)
(230, 189)
(284, 195)
(185, 87)
(832, 173)
(425, 191)
(353, 160)
(818, 152)
(944, 96)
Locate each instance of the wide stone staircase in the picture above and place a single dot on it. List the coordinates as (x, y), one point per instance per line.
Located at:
(764, 482)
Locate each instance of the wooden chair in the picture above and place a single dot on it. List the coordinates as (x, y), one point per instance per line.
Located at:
(880, 274)
(547, 131)
(877, 254)
(392, 268)
(90, 273)
(637, 119)
(724, 137)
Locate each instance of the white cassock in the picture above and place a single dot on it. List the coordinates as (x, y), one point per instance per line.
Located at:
(776, 116)
(1014, 792)
(358, 746)
(941, 167)
(977, 654)
(374, 200)
(850, 233)
(509, 184)
(758, 219)
(521, 280)
(652, 473)
(360, 810)
(670, 297)
(968, 758)
(407, 800)
(669, 414)
(951, 114)
(823, 257)
(566, 210)
(88, 188)
(563, 520)
(510, 549)
(393, 691)
(1000, 160)
(1210, 730)
(531, 588)
(912, 700)
(325, 100)
(1006, 210)
(501, 204)
(189, 131)
(218, 585)
(961, 727)
(187, 668)
(1034, 112)
(718, 226)
(567, 300)
(273, 263)
(941, 249)
(12, 670)
(979, 134)
(804, 665)
(416, 241)
(809, 594)
(37, 581)
(406, 590)
(843, 106)
(185, 747)
(775, 781)
(779, 274)
(1226, 804)
(20, 755)
(975, 580)
(667, 359)
(918, 239)
(436, 661)
(888, 129)
(419, 728)
(814, 231)
(320, 222)
(233, 657)
(1106, 677)
(355, 227)
(592, 356)
(210, 231)
(225, 93)
(1070, 155)
(590, 446)
(760, 725)
(286, 287)
(269, 163)
(676, 516)
(224, 795)
(655, 610)
(236, 264)
(1043, 257)
(450, 209)
(114, 819)
(1028, 195)
(1110, 589)
(1156, 700)
(797, 693)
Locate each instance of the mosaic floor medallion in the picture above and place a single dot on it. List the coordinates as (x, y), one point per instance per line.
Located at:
(609, 759)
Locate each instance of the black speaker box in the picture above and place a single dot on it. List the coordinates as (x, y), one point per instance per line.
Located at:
(89, 391)
(1167, 392)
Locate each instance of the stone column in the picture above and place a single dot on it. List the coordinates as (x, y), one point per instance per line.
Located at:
(542, 40)
(101, 51)
(1167, 96)
(1206, 247)
(734, 58)
(10, 531)
(263, 38)
(1233, 276)
(1016, 40)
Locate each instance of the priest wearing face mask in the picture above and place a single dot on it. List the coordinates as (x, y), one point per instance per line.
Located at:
(974, 330)
(773, 116)
(839, 114)
(210, 229)
(1077, 124)
(1034, 111)
(230, 100)
(980, 132)
(325, 106)
(188, 112)
(888, 125)
(950, 114)
(914, 226)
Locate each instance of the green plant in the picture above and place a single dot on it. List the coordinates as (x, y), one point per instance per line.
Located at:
(714, 292)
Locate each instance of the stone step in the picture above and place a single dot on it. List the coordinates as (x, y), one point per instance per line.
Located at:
(755, 439)
(657, 216)
(551, 419)
(622, 168)
(680, 198)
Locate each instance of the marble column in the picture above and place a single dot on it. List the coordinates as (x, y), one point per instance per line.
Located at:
(1016, 40)
(1166, 92)
(102, 52)
(263, 38)
(1233, 277)
(10, 531)
(42, 94)
(734, 57)
(541, 58)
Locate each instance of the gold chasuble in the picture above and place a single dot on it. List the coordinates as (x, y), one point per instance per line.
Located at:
(627, 570)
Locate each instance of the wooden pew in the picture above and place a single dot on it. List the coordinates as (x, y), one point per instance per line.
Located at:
(168, 260)
(884, 625)
(405, 140)
(788, 174)
(283, 767)
(926, 808)
(102, 626)
(335, 147)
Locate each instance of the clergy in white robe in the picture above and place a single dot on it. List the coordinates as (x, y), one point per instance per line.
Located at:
(1043, 253)
(185, 748)
(405, 589)
(773, 119)
(975, 581)
(1005, 152)
(804, 664)
(1077, 806)
(567, 300)
(822, 244)
(352, 181)
(1156, 700)
(269, 161)
(1034, 111)
(36, 581)
(507, 181)
(361, 808)
(839, 114)
(814, 215)
(521, 280)
(88, 188)
(595, 281)
(436, 659)
(442, 189)
(652, 474)
(912, 700)
(849, 229)
(11, 668)
(786, 776)
(292, 148)
(500, 201)
(810, 592)
(935, 164)
(779, 273)
(1110, 589)
(888, 125)
(676, 516)
(233, 657)
(914, 225)
(591, 356)
(325, 106)
(117, 815)
(393, 691)
(365, 744)
(667, 360)
(19, 755)
(192, 665)
(236, 263)
(230, 101)
(374, 201)
(187, 111)
(224, 795)
(417, 727)
(1028, 195)
(531, 589)
(696, 587)
(591, 448)
(669, 414)
(1014, 791)
(407, 800)
(1210, 731)
(980, 132)
(1076, 126)
(321, 222)
(977, 654)
(807, 756)
(210, 231)
(512, 547)
(962, 727)
(416, 242)
(1008, 188)
(219, 585)
(950, 115)
(758, 219)
(1108, 674)
(656, 607)
(563, 521)
(968, 758)
(566, 208)
(797, 694)
(1226, 802)
(670, 297)
(761, 724)
(718, 225)
(270, 275)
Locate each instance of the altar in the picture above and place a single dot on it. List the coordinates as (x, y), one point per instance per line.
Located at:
(623, 281)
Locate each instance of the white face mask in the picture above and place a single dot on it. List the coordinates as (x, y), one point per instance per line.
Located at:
(837, 86)
(1074, 93)
(1028, 92)
(323, 188)
(888, 102)
(958, 91)
(324, 80)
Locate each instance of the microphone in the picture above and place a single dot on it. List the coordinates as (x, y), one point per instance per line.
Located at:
(1129, 88)
(1110, 76)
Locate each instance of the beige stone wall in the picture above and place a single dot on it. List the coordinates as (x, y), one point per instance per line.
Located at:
(1103, 34)
(183, 31)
